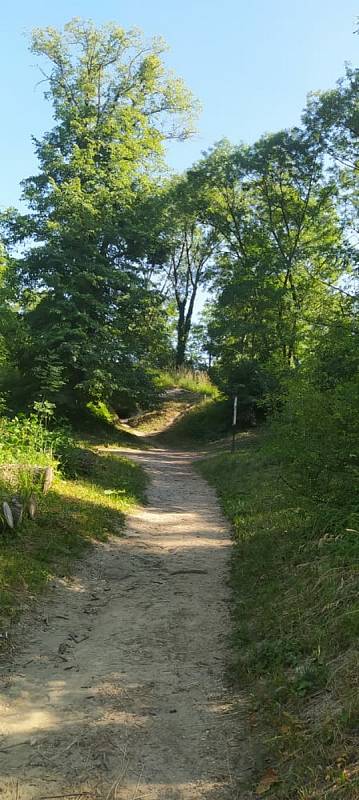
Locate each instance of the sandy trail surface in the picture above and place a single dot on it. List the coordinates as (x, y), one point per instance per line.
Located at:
(118, 689)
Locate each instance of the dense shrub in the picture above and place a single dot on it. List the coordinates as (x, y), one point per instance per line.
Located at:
(315, 438)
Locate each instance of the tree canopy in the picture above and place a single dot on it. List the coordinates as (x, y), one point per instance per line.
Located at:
(102, 273)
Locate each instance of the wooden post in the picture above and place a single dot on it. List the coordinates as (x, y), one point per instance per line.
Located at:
(234, 423)
(48, 479)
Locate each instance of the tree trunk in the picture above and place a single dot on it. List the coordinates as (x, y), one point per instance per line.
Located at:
(184, 326)
(180, 353)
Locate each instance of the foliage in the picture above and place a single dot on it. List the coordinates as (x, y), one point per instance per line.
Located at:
(332, 119)
(27, 440)
(91, 313)
(27, 443)
(100, 411)
(110, 250)
(315, 432)
(316, 437)
(253, 385)
(281, 248)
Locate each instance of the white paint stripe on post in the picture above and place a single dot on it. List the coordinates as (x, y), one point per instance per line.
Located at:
(235, 404)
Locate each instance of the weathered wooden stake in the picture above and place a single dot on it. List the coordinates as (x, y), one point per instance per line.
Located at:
(32, 507)
(48, 479)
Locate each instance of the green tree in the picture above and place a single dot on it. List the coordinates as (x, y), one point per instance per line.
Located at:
(180, 250)
(281, 247)
(332, 118)
(332, 121)
(92, 314)
(190, 248)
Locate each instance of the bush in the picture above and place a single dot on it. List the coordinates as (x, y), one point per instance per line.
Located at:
(100, 411)
(136, 391)
(28, 442)
(254, 385)
(315, 437)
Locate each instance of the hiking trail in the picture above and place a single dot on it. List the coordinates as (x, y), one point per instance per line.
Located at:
(118, 690)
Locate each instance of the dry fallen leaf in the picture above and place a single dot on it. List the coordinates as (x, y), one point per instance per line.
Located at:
(269, 778)
(284, 728)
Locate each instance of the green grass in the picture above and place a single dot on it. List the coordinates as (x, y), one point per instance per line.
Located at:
(207, 421)
(192, 380)
(296, 627)
(76, 512)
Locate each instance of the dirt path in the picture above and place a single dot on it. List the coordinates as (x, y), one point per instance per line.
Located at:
(118, 690)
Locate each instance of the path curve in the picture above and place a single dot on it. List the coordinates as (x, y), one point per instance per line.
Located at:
(119, 688)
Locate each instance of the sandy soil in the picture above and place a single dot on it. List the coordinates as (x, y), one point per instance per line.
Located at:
(118, 690)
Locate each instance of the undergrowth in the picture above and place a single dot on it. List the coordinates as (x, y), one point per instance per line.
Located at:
(296, 627)
(28, 440)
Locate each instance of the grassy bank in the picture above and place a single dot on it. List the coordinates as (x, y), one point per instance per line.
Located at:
(296, 626)
(208, 420)
(195, 381)
(74, 513)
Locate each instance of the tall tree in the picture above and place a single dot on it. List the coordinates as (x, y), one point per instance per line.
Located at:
(114, 106)
(190, 248)
(281, 246)
(180, 250)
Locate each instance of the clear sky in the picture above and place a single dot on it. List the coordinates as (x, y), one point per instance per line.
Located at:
(251, 63)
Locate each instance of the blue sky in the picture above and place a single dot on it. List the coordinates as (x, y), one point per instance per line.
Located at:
(251, 63)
